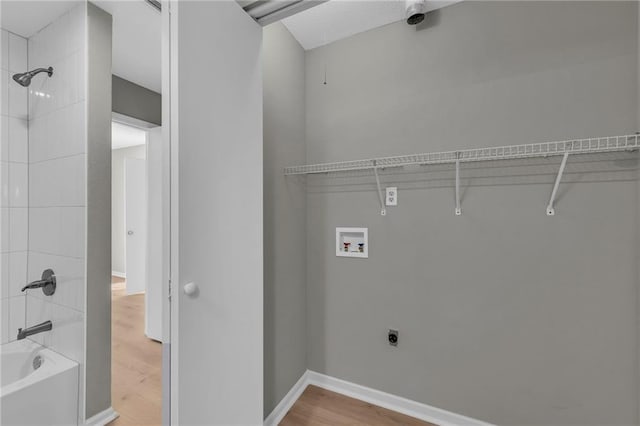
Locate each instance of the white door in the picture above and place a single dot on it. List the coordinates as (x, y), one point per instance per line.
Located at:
(216, 222)
(135, 223)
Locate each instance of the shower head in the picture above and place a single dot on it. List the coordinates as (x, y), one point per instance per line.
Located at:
(24, 79)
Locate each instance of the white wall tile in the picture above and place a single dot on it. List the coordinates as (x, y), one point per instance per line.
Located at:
(36, 48)
(4, 49)
(57, 230)
(58, 134)
(4, 184)
(45, 92)
(56, 38)
(77, 27)
(38, 149)
(17, 53)
(4, 92)
(44, 45)
(41, 96)
(18, 96)
(60, 45)
(70, 276)
(18, 229)
(39, 311)
(4, 320)
(76, 132)
(67, 336)
(61, 86)
(17, 272)
(4, 275)
(4, 230)
(18, 185)
(74, 79)
(16, 315)
(18, 140)
(4, 138)
(59, 182)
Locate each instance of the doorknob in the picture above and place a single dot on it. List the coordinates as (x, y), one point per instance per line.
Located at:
(191, 289)
(129, 232)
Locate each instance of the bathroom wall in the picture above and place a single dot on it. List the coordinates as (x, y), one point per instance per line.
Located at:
(57, 174)
(285, 338)
(14, 183)
(57, 182)
(505, 314)
(99, 111)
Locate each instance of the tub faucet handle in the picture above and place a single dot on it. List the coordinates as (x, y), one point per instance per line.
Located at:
(47, 283)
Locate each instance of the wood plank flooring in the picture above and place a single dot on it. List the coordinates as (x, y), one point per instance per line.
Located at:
(320, 407)
(136, 362)
(136, 381)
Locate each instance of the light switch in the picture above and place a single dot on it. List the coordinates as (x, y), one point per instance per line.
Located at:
(392, 196)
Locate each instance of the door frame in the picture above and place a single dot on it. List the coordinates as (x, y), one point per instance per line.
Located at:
(170, 213)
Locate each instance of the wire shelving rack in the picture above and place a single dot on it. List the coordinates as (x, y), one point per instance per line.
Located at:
(509, 152)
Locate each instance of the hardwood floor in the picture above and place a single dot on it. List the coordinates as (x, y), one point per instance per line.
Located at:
(320, 407)
(136, 380)
(136, 362)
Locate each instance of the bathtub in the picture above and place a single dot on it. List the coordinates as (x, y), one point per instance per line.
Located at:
(47, 395)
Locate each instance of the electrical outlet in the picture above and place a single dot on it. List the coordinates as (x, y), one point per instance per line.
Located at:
(393, 337)
(392, 196)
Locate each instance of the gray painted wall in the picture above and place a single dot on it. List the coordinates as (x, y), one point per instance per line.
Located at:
(118, 245)
(505, 314)
(284, 215)
(98, 329)
(136, 101)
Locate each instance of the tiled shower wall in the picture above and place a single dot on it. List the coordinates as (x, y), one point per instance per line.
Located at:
(14, 200)
(57, 177)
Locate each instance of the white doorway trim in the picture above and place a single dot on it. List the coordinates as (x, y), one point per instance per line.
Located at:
(169, 215)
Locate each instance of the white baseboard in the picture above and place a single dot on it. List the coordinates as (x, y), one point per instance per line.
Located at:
(118, 274)
(287, 402)
(102, 418)
(382, 399)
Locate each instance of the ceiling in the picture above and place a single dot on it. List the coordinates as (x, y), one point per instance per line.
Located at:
(137, 30)
(137, 27)
(136, 33)
(338, 19)
(26, 18)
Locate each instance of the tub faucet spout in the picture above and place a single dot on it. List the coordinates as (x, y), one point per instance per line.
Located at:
(29, 331)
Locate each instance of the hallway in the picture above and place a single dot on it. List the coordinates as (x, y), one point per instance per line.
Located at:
(136, 375)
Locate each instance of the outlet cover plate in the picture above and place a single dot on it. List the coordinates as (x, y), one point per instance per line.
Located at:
(392, 196)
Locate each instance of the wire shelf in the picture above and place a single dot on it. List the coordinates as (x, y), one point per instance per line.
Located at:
(543, 149)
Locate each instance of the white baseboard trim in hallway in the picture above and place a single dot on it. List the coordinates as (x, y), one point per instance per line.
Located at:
(287, 402)
(118, 274)
(372, 396)
(392, 402)
(102, 418)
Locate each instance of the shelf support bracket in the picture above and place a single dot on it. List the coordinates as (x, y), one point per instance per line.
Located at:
(550, 210)
(383, 210)
(458, 209)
